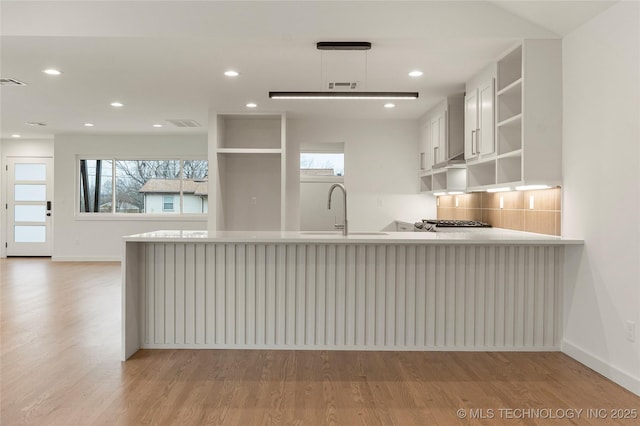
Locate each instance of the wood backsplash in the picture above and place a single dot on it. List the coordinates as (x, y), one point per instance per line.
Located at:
(517, 212)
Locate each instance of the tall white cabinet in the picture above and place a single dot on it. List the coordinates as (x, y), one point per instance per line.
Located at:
(528, 121)
(247, 167)
(442, 147)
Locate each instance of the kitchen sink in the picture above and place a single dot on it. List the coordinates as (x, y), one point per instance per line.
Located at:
(339, 233)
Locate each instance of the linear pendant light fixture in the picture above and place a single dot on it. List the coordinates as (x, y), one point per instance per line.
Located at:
(343, 95)
(343, 45)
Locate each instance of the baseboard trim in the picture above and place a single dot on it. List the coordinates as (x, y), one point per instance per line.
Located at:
(86, 259)
(623, 378)
(380, 348)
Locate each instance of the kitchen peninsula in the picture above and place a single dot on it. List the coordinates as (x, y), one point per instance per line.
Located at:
(485, 289)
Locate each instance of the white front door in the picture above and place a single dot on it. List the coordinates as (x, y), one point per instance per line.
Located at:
(29, 206)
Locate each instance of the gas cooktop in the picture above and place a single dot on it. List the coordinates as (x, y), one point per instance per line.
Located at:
(450, 223)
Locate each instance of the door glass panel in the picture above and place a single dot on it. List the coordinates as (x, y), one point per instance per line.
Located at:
(30, 234)
(30, 192)
(30, 213)
(27, 171)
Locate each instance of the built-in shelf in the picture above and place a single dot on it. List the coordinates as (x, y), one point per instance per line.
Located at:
(510, 121)
(514, 153)
(225, 151)
(254, 131)
(249, 165)
(510, 135)
(510, 69)
(425, 183)
(481, 174)
(513, 87)
(509, 104)
(509, 169)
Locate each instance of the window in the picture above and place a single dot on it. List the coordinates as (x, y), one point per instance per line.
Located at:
(167, 203)
(143, 186)
(321, 164)
(96, 185)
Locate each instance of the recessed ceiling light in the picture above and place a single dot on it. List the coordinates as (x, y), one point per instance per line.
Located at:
(231, 73)
(252, 105)
(117, 104)
(389, 105)
(415, 73)
(88, 124)
(52, 71)
(15, 135)
(157, 125)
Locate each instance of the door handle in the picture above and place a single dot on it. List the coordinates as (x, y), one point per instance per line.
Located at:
(473, 151)
(48, 205)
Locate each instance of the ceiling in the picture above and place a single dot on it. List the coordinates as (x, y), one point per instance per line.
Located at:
(165, 59)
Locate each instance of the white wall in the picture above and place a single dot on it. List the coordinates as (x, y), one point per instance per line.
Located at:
(381, 168)
(100, 238)
(17, 148)
(601, 166)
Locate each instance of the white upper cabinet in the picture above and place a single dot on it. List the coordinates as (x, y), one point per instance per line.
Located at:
(442, 146)
(479, 126)
(528, 121)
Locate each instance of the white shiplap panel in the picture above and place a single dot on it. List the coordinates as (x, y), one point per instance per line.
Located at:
(350, 296)
(300, 295)
(200, 286)
(410, 296)
(159, 288)
(241, 296)
(260, 317)
(400, 294)
(360, 283)
(286, 295)
(190, 293)
(310, 309)
(370, 295)
(351, 306)
(220, 290)
(270, 308)
(321, 299)
(179, 292)
(281, 292)
(230, 294)
(170, 293)
(250, 294)
(210, 294)
(340, 295)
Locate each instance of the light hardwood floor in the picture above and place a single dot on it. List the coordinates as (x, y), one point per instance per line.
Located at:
(60, 337)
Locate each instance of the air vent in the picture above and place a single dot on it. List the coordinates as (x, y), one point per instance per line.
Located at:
(35, 123)
(183, 122)
(342, 85)
(11, 82)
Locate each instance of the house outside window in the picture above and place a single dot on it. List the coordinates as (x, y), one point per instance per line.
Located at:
(165, 186)
(167, 203)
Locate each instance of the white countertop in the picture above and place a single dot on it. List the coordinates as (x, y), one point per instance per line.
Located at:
(478, 236)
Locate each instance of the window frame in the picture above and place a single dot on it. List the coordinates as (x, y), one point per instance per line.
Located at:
(170, 197)
(113, 215)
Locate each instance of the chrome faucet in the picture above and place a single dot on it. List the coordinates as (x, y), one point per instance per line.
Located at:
(344, 193)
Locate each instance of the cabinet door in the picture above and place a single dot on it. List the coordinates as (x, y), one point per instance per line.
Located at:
(486, 120)
(443, 148)
(436, 143)
(424, 157)
(470, 124)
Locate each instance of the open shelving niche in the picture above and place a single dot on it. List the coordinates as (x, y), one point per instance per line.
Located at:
(249, 172)
(453, 178)
(528, 119)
